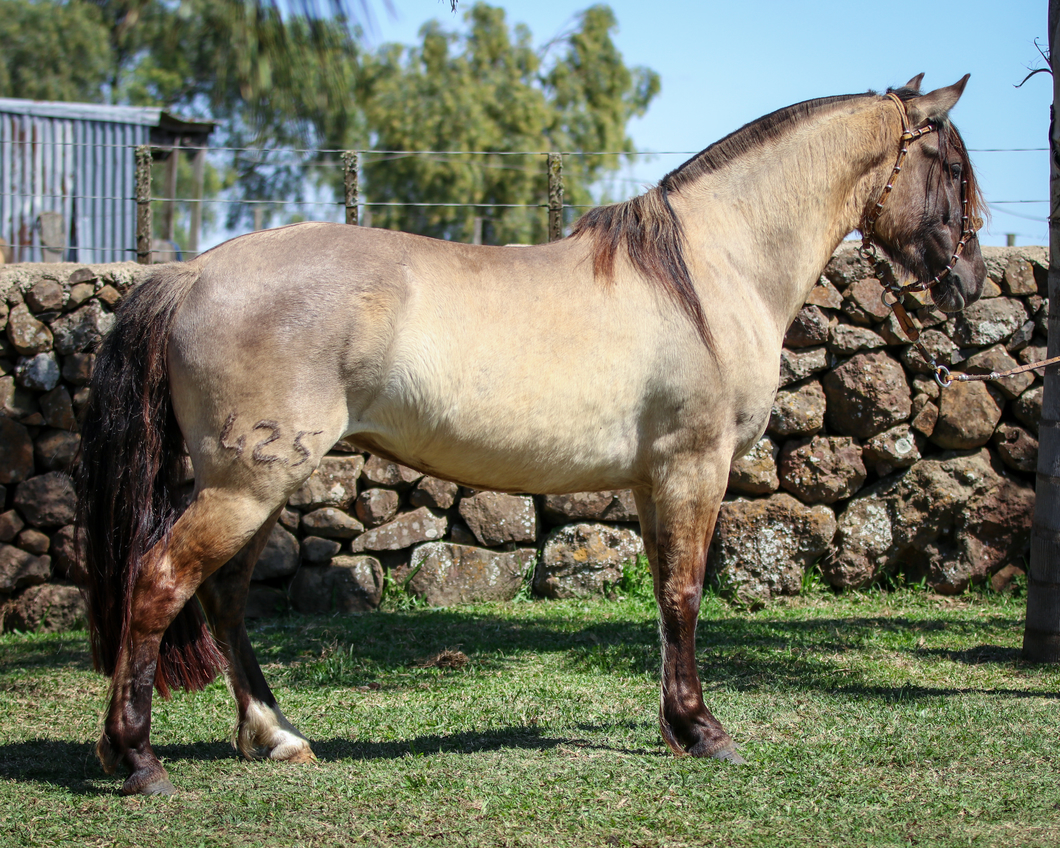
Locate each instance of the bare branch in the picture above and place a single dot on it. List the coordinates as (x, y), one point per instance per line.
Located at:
(1032, 73)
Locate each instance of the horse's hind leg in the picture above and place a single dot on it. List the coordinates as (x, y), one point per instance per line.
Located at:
(262, 730)
(677, 525)
(210, 532)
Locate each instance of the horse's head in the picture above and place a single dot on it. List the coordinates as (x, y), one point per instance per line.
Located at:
(926, 215)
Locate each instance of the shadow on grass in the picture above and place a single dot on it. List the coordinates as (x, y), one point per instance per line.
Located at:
(472, 742)
(393, 639)
(69, 653)
(67, 765)
(72, 766)
(746, 653)
(979, 655)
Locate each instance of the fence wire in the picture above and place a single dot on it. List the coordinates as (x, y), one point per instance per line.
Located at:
(319, 161)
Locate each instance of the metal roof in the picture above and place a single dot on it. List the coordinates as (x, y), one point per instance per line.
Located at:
(67, 170)
(146, 116)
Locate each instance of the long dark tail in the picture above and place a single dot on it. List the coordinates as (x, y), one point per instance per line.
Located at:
(128, 482)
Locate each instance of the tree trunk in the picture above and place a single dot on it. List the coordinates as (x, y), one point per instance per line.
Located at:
(1041, 638)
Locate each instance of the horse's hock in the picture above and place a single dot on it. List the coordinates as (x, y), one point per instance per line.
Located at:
(868, 469)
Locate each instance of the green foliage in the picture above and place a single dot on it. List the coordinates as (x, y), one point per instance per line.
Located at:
(231, 60)
(282, 78)
(487, 89)
(272, 79)
(813, 581)
(396, 597)
(286, 85)
(636, 579)
(52, 50)
(526, 588)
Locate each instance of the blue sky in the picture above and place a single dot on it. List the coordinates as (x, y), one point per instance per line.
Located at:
(724, 64)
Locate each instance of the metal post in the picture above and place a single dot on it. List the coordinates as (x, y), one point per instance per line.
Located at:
(555, 196)
(349, 170)
(143, 204)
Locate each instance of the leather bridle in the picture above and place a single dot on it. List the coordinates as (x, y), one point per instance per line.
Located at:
(869, 248)
(893, 290)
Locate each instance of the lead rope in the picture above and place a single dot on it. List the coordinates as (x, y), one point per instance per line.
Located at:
(941, 373)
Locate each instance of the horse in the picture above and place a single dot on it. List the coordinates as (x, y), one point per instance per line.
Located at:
(640, 352)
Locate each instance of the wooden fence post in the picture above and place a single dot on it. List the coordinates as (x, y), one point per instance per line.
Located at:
(349, 168)
(555, 196)
(1041, 634)
(143, 204)
(169, 212)
(198, 166)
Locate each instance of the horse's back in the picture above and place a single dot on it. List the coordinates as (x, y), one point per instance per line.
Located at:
(506, 368)
(502, 367)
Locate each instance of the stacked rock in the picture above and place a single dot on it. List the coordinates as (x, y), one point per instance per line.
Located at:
(53, 316)
(362, 525)
(888, 472)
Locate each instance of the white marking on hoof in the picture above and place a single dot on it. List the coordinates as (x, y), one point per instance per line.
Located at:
(266, 733)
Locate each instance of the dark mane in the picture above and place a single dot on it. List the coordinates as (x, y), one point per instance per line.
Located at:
(748, 138)
(648, 228)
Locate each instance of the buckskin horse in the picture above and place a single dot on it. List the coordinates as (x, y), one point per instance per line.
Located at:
(640, 352)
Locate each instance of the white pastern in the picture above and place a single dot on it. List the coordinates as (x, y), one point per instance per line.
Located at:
(265, 732)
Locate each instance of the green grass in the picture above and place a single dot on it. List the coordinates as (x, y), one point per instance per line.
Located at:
(870, 719)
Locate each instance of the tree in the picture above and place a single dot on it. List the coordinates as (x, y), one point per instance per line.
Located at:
(286, 80)
(1041, 638)
(283, 93)
(37, 41)
(272, 80)
(115, 50)
(485, 90)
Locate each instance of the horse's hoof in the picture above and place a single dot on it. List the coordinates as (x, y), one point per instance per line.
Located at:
(302, 755)
(730, 755)
(148, 783)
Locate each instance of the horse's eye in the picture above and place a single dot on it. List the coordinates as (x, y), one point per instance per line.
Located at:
(955, 170)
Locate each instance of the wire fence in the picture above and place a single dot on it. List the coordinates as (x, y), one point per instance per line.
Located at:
(28, 203)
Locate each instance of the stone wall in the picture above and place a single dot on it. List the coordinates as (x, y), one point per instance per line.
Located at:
(868, 468)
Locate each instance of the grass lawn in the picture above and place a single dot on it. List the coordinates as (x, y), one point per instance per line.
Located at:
(885, 718)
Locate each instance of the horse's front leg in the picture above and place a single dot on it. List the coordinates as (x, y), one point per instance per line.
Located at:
(262, 729)
(677, 521)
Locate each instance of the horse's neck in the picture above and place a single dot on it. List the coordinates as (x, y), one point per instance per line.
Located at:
(782, 210)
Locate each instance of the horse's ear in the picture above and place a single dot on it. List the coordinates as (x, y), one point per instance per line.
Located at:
(935, 105)
(914, 83)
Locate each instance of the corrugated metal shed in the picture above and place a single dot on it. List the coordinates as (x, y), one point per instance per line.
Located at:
(67, 176)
